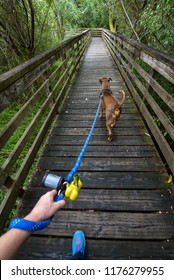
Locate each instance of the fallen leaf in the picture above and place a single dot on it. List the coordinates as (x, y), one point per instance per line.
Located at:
(170, 179)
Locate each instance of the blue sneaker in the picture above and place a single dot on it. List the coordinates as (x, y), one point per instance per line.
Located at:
(78, 242)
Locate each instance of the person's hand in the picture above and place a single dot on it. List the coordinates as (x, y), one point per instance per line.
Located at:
(45, 207)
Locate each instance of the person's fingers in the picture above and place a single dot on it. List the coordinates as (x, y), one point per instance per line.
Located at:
(60, 204)
(53, 193)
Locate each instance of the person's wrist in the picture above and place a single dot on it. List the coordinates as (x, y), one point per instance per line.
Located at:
(32, 217)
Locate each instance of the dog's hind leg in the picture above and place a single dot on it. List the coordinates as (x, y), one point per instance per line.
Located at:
(108, 125)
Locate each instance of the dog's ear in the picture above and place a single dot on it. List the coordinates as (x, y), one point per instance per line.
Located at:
(109, 79)
(100, 81)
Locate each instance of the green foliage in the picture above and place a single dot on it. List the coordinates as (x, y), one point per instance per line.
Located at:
(92, 14)
(36, 25)
(6, 116)
(157, 21)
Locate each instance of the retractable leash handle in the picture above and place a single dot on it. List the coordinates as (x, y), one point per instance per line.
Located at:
(52, 181)
(32, 226)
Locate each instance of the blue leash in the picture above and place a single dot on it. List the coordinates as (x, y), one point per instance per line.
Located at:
(79, 159)
(35, 226)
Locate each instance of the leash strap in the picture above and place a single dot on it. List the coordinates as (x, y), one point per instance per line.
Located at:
(79, 159)
(32, 225)
(29, 225)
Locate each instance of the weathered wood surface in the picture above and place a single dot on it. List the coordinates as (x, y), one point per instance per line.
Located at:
(125, 207)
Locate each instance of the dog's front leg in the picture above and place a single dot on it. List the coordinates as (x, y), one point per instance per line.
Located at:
(101, 112)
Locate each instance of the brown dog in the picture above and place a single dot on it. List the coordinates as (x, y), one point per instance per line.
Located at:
(110, 103)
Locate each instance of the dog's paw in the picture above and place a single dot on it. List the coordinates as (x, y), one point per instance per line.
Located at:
(110, 138)
(100, 116)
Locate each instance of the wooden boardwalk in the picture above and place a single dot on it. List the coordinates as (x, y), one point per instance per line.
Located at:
(125, 206)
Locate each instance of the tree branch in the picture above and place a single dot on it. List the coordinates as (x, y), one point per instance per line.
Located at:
(9, 39)
(129, 20)
(26, 12)
(32, 24)
(43, 25)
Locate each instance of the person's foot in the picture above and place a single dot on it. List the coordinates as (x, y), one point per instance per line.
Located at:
(78, 242)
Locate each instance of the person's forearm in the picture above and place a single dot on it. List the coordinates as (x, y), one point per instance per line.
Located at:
(11, 242)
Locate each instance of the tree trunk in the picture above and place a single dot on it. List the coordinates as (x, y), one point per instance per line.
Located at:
(111, 21)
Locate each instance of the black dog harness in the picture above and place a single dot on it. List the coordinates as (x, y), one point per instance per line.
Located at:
(104, 91)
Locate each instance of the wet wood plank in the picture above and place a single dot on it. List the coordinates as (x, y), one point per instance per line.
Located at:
(60, 249)
(116, 180)
(112, 200)
(99, 164)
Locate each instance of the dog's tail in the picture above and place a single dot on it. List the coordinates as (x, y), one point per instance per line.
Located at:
(123, 98)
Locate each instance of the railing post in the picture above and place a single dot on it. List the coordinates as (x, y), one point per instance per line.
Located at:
(153, 74)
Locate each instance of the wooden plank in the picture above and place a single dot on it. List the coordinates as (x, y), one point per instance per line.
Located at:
(75, 121)
(111, 200)
(101, 140)
(111, 179)
(91, 106)
(100, 131)
(113, 225)
(100, 164)
(77, 111)
(44, 248)
(108, 151)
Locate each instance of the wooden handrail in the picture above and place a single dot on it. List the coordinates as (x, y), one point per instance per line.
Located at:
(49, 74)
(127, 54)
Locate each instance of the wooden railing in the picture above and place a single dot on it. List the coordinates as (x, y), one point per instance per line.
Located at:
(44, 79)
(149, 76)
(95, 32)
